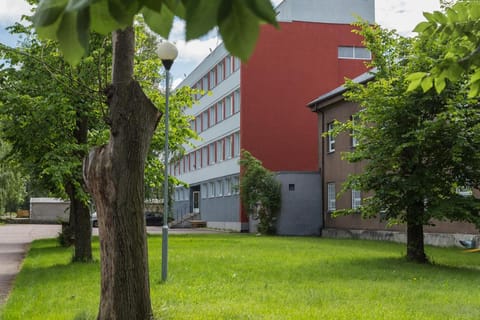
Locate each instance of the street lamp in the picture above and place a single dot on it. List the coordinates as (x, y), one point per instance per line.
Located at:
(167, 52)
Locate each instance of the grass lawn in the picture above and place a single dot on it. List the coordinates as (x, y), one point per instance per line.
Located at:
(237, 276)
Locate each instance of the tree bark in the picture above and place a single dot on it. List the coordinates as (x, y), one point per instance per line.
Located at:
(80, 224)
(114, 174)
(415, 241)
(79, 210)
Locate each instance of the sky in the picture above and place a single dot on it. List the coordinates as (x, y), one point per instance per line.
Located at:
(402, 15)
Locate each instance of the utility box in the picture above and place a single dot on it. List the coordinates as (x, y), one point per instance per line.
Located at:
(49, 210)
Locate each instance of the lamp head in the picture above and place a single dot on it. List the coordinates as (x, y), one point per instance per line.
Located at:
(167, 52)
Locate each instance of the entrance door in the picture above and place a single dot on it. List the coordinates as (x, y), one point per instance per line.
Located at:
(196, 202)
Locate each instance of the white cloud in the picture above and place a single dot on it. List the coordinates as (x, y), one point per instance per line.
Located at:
(403, 15)
(12, 10)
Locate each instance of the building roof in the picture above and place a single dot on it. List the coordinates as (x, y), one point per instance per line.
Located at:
(337, 93)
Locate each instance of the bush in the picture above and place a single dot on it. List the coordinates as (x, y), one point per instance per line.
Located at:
(260, 193)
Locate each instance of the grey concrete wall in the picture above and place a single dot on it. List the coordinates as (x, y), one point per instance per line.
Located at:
(49, 210)
(433, 239)
(226, 209)
(180, 209)
(301, 212)
(326, 11)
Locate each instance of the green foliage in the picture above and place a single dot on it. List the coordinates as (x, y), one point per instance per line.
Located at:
(418, 147)
(47, 104)
(70, 22)
(458, 29)
(260, 193)
(12, 181)
(226, 276)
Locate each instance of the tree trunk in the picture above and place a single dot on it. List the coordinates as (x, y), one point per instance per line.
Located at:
(415, 245)
(79, 210)
(114, 174)
(82, 229)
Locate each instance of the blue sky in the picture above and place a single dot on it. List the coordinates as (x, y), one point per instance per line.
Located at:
(401, 15)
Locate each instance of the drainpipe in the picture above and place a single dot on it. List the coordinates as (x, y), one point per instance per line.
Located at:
(322, 170)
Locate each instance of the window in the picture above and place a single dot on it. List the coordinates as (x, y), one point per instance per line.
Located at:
(198, 124)
(356, 199)
(213, 80)
(228, 147)
(220, 72)
(353, 133)
(205, 120)
(236, 63)
(350, 52)
(236, 144)
(192, 125)
(212, 116)
(205, 83)
(204, 190)
(228, 186)
(220, 111)
(236, 185)
(236, 101)
(331, 138)
(211, 153)
(192, 161)
(331, 196)
(185, 164)
(198, 159)
(228, 66)
(204, 157)
(228, 106)
(211, 190)
(220, 150)
(219, 188)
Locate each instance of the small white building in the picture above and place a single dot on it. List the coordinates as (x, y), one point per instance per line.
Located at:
(49, 210)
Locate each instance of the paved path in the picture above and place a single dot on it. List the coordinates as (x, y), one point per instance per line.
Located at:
(14, 241)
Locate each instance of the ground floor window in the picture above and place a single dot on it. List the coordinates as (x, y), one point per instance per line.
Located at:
(331, 197)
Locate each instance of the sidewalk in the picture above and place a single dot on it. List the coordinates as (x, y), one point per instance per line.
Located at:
(14, 241)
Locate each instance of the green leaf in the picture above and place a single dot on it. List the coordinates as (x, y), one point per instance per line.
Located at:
(475, 77)
(160, 22)
(474, 90)
(440, 84)
(123, 11)
(427, 84)
(422, 26)
(414, 84)
(239, 29)
(155, 5)
(48, 12)
(264, 10)
(440, 17)
(201, 16)
(73, 35)
(101, 20)
(176, 7)
(76, 5)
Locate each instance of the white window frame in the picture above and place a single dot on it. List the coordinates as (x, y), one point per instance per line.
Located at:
(356, 53)
(220, 148)
(236, 185)
(356, 199)
(236, 144)
(211, 189)
(211, 153)
(354, 138)
(331, 197)
(330, 137)
(228, 186)
(204, 191)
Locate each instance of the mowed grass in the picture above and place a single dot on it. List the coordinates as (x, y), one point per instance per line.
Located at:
(233, 276)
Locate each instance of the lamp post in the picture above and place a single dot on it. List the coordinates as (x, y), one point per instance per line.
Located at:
(167, 52)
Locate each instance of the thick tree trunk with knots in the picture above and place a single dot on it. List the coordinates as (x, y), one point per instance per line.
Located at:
(114, 175)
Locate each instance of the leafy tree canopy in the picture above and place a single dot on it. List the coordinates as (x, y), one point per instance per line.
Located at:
(70, 21)
(458, 29)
